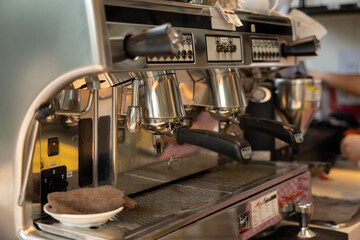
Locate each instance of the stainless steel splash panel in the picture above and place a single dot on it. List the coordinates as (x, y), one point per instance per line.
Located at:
(140, 168)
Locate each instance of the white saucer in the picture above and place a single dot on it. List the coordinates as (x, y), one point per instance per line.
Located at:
(83, 220)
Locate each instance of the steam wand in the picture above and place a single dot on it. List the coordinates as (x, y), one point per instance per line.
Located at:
(41, 113)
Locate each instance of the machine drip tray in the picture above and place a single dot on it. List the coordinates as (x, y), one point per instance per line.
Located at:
(172, 206)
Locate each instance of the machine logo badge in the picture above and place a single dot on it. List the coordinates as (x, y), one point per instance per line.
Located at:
(244, 222)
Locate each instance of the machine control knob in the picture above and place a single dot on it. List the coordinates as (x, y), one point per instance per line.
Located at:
(219, 47)
(226, 48)
(183, 54)
(304, 210)
(232, 48)
(190, 54)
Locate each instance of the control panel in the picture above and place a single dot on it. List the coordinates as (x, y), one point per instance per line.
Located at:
(265, 49)
(186, 53)
(223, 49)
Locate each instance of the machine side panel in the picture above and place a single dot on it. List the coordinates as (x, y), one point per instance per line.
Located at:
(40, 41)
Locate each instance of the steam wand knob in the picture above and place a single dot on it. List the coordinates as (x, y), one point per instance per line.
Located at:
(308, 46)
(162, 40)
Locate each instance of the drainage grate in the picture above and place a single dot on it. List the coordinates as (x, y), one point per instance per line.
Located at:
(161, 204)
(130, 183)
(231, 176)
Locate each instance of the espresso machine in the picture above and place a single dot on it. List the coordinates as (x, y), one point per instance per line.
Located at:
(118, 93)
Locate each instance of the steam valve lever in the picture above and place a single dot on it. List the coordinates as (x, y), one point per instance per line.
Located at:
(308, 46)
(159, 41)
(304, 210)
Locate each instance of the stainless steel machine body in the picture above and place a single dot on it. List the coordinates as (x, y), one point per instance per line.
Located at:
(67, 59)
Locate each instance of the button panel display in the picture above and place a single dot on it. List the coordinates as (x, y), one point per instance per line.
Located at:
(223, 49)
(265, 50)
(186, 53)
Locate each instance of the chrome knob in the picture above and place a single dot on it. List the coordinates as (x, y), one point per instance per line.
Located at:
(304, 210)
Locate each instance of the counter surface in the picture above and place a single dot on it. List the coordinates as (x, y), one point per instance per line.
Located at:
(341, 183)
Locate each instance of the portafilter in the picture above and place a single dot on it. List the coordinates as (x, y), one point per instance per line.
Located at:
(228, 94)
(229, 104)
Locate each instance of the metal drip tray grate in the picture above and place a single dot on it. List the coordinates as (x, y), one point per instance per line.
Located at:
(162, 205)
(130, 183)
(154, 211)
(231, 176)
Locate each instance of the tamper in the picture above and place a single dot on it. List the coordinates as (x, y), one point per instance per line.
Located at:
(304, 210)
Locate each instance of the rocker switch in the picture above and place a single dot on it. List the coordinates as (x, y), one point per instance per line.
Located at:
(53, 146)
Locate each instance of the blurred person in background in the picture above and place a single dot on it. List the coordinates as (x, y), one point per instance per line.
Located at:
(350, 83)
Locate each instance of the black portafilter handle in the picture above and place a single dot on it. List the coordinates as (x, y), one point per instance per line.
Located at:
(233, 147)
(308, 46)
(163, 40)
(283, 131)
